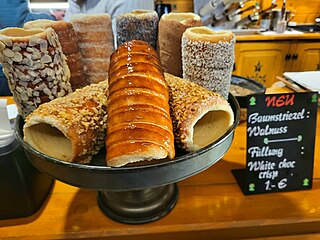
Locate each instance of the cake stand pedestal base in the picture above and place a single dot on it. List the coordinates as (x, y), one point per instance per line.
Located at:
(138, 206)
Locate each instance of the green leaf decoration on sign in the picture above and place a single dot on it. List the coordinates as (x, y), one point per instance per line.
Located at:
(251, 187)
(314, 98)
(252, 101)
(305, 182)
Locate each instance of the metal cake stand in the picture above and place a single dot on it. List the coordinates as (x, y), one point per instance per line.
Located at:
(133, 194)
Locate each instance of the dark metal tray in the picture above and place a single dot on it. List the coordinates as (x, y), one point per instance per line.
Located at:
(138, 182)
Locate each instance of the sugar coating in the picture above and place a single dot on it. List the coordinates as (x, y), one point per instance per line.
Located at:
(142, 27)
(208, 64)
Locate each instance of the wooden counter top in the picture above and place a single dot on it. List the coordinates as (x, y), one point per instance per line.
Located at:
(277, 37)
(210, 206)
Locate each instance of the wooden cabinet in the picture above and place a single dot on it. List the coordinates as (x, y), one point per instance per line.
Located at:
(304, 56)
(261, 61)
(264, 60)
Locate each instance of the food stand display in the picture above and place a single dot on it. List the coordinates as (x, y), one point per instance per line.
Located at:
(211, 205)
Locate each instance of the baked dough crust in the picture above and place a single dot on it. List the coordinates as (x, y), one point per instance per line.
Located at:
(69, 45)
(71, 128)
(206, 34)
(171, 28)
(138, 25)
(208, 57)
(96, 42)
(34, 65)
(199, 116)
(139, 125)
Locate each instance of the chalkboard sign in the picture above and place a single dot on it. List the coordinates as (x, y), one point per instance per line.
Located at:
(280, 143)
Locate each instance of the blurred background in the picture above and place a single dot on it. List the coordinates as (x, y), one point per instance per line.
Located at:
(48, 5)
(223, 13)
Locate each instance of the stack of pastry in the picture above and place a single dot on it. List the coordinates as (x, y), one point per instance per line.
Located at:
(199, 116)
(95, 36)
(208, 57)
(171, 28)
(35, 66)
(139, 126)
(138, 25)
(70, 128)
(70, 48)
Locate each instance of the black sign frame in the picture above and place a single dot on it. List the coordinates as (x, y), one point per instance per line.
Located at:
(281, 130)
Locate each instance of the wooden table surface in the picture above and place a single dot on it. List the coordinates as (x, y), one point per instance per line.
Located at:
(210, 206)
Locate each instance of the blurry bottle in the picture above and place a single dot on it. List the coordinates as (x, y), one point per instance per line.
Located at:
(265, 20)
(162, 8)
(283, 10)
(282, 23)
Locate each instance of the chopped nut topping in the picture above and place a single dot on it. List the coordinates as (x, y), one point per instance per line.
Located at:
(28, 61)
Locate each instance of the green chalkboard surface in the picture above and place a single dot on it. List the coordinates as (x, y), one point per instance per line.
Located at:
(280, 143)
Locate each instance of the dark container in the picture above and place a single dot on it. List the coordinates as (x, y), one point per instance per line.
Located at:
(23, 189)
(162, 8)
(247, 83)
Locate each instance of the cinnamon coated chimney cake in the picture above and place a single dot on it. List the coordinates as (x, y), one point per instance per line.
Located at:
(171, 28)
(208, 57)
(137, 25)
(35, 66)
